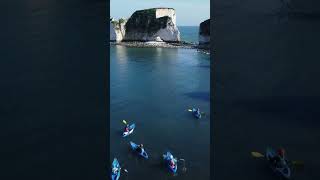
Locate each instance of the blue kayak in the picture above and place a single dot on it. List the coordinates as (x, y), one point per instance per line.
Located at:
(195, 113)
(115, 174)
(135, 147)
(168, 157)
(131, 128)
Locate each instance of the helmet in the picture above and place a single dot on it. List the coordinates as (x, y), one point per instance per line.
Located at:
(171, 156)
(281, 152)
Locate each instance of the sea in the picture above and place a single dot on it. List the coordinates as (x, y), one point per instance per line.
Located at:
(154, 88)
(189, 33)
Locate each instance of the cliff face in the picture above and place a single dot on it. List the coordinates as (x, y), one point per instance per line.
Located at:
(204, 33)
(117, 30)
(157, 24)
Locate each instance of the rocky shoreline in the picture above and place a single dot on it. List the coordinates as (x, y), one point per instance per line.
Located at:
(155, 44)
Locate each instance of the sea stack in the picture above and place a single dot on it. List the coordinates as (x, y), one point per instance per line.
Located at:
(156, 24)
(204, 34)
(117, 29)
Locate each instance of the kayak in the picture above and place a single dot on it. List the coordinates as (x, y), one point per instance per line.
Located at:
(131, 128)
(283, 171)
(197, 115)
(135, 148)
(168, 157)
(115, 175)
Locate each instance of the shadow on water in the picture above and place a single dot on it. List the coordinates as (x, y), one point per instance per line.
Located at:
(204, 96)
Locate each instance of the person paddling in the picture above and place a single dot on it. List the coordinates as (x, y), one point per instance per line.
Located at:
(115, 170)
(140, 148)
(198, 111)
(278, 158)
(172, 163)
(126, 128)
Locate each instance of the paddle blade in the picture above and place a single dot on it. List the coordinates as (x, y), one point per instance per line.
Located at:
(125, 170)
(124, 121)
(190, 110)
(257, 154)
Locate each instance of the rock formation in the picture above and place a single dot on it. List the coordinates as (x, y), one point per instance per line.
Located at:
(204, 34)
(117, 29)
(156, 24)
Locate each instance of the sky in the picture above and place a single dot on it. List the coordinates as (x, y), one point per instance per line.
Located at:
(188, 12)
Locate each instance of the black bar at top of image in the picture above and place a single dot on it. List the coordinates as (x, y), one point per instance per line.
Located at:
(54, 83)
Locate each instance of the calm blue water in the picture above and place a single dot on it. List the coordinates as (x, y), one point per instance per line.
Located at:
(189, 33)
(154, 87)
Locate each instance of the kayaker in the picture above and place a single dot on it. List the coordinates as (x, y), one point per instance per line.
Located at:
(172, 164)
(127, 128)
(115, 170)
(198, 111)
(278, 158)
(140, 148)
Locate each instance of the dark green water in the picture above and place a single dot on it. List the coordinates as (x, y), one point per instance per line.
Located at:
(154, 87)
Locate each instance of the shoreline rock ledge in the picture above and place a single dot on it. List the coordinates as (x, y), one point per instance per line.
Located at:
(155, 24)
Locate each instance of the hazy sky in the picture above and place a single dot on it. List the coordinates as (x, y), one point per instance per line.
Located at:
(189, 12)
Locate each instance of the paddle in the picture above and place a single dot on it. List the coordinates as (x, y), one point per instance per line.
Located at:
(124, 121)
(190, 110)
(259, 155)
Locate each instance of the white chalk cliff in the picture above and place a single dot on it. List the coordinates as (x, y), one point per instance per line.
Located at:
(117, 30)
(156, 24)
